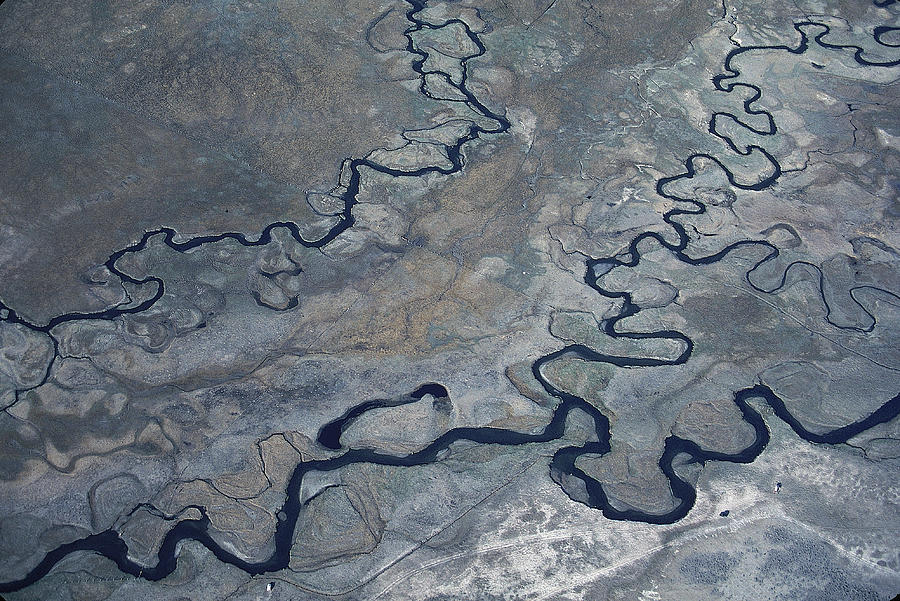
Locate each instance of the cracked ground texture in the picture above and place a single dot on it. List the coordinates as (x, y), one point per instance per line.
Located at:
(549, 299)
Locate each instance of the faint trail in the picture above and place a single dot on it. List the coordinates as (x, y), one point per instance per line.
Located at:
(111, 545)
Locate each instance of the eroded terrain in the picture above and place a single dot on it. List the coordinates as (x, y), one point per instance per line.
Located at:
(439, 300)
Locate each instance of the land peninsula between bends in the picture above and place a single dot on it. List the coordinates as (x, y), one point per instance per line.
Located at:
(553, 299)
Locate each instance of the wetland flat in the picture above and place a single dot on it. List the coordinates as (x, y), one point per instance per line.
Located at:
(552, 299)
